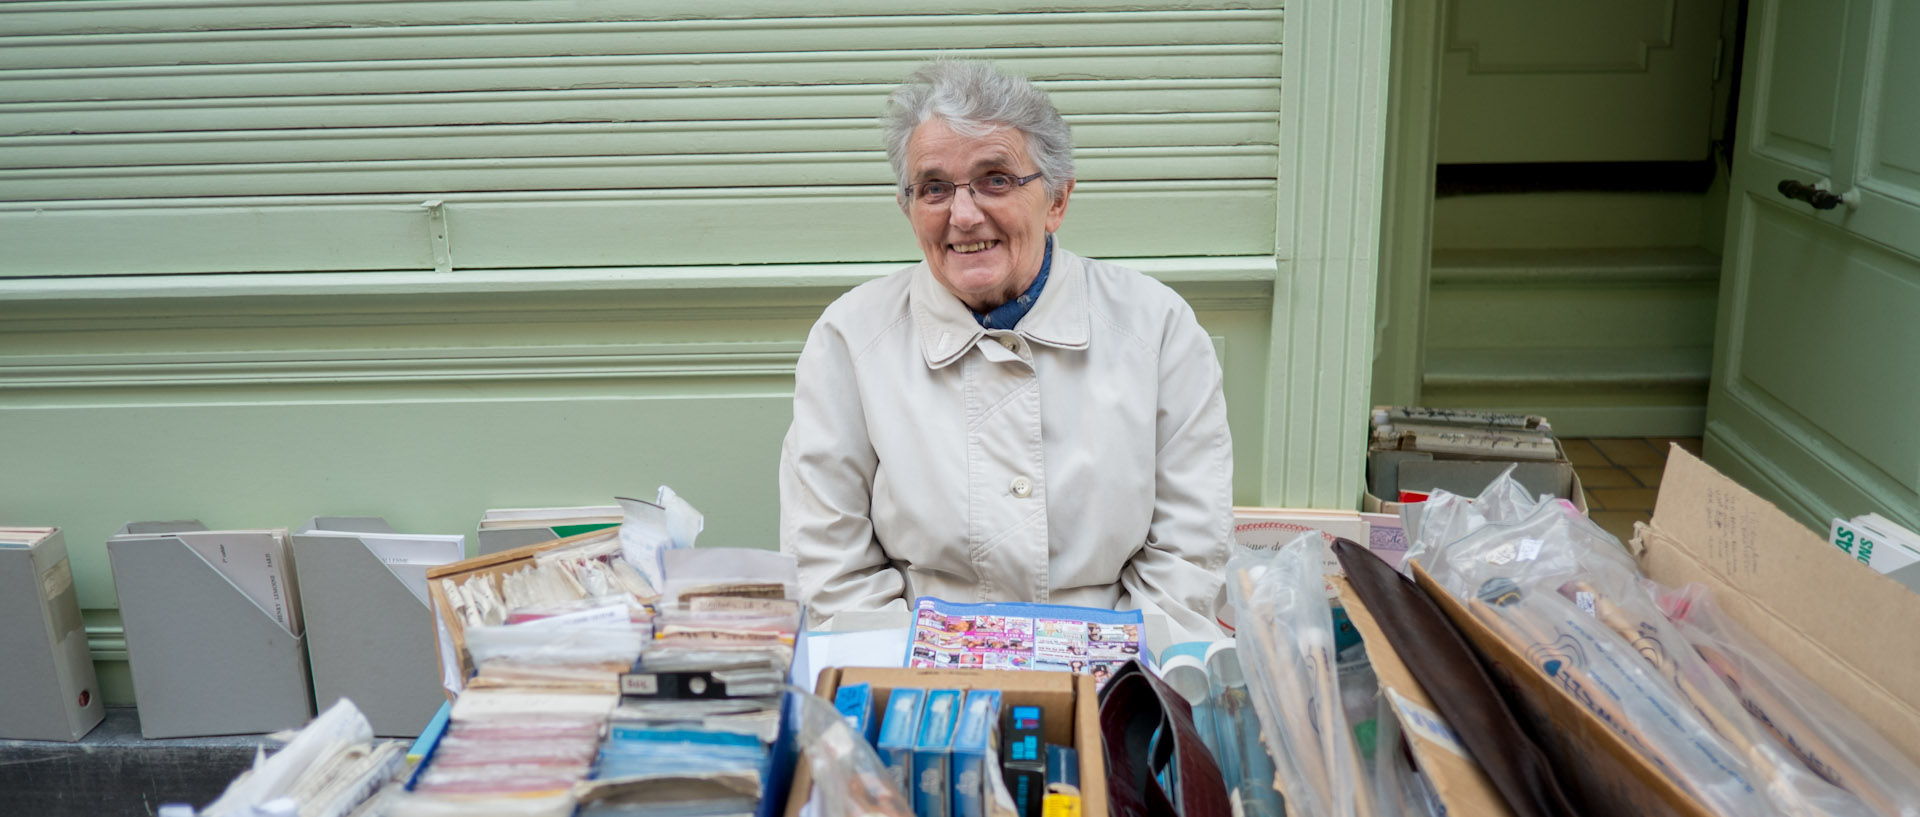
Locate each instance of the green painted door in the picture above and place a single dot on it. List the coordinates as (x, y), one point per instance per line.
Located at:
(1816, 386)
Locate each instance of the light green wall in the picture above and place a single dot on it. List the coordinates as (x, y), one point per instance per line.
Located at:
(223, 299)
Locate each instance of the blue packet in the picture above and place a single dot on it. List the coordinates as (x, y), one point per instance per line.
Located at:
(933, 754)
(974, 746)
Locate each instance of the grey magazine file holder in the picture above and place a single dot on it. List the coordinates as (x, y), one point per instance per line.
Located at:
(45, 667)
(205, 659)
(371, 639)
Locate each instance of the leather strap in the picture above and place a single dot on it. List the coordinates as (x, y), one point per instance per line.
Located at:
(1148, 728)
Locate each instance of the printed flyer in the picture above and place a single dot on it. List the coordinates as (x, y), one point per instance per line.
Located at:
(1054, 637)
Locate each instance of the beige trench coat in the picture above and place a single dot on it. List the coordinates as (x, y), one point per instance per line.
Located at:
(1082, 458)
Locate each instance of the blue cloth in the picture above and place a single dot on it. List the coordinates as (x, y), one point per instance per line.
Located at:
(1008, 315)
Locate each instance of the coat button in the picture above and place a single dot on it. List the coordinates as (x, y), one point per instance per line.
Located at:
(1009, 342)
(1022, 487)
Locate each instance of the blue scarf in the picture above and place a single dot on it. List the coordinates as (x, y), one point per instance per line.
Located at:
(1008, 315)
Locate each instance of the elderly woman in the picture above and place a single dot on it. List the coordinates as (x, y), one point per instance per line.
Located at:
(1004, 421)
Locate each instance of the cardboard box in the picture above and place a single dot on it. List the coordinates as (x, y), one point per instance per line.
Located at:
(1844, 626)
(370, 639)
(1779, 580)
(1373, 504)
(506, 561)
(47, 672)
(205, 658)
(1458, 780)
(1070, 704)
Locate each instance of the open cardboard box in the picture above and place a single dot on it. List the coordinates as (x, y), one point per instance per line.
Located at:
(1577, 493)
(1069, 703)
(506, 561)
(1781, 581)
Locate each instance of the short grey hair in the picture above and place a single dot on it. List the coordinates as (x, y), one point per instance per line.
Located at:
(976, 98)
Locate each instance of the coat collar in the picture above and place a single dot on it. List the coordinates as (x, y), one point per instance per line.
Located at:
(947, 328)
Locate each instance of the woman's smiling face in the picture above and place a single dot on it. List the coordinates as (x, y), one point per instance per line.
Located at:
(985, 251)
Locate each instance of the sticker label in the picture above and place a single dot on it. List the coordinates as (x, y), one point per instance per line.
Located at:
(1501, 555)
(1427, 724)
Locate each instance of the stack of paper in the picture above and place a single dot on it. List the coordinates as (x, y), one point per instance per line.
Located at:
(503, 528)
(23, 537)
(254, 560)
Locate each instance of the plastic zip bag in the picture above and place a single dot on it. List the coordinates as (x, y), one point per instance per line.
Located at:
(1286, 638)
(1561, 589)
(1827, 737)
(848, 778)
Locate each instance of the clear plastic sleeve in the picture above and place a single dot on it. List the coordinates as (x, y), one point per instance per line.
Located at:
(1286, 638)
(1827, 737)
(1564, 591)
(848, 778)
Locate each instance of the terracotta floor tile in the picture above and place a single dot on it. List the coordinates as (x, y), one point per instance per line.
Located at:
(1596, 477)
(1630, 451)
(1582, 452)
(1619, 523)
(1624, 499)
(1649, 477)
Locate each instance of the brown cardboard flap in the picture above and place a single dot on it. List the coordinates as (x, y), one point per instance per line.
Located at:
(1458, 780)
(1070, 703)
(1598, 767)
(1835, 620)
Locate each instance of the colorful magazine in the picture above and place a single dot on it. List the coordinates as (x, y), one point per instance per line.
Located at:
(1001, 635)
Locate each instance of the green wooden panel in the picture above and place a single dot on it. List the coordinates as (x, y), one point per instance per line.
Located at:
(1816, 339)
(638, 71)
(775, 107)
(589, 172)
(40, 17)
(568, 41)
(673, 227)
(685, 139)
(1852, 299)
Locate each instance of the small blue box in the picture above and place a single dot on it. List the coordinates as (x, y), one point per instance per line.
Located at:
(897, 734)
(974, 746)
(855, 703)
(933, 754)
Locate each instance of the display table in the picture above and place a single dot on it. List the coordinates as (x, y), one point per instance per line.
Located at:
(115, 771)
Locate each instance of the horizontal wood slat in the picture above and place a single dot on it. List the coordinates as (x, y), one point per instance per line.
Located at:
(637, 71)
(745, 106)
(92, 16)
(440, 176)
(584, 139)
(665, 227)
(707, 39)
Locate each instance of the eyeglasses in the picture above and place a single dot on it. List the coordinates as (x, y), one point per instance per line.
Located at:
(992, 186)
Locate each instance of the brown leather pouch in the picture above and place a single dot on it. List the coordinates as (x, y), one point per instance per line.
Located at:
(1150, 737)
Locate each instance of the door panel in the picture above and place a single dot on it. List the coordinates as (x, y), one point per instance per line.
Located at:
(1802, 53)
(1817, 365)
(1894, 154)
(1577, 80)
(1852, 298)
